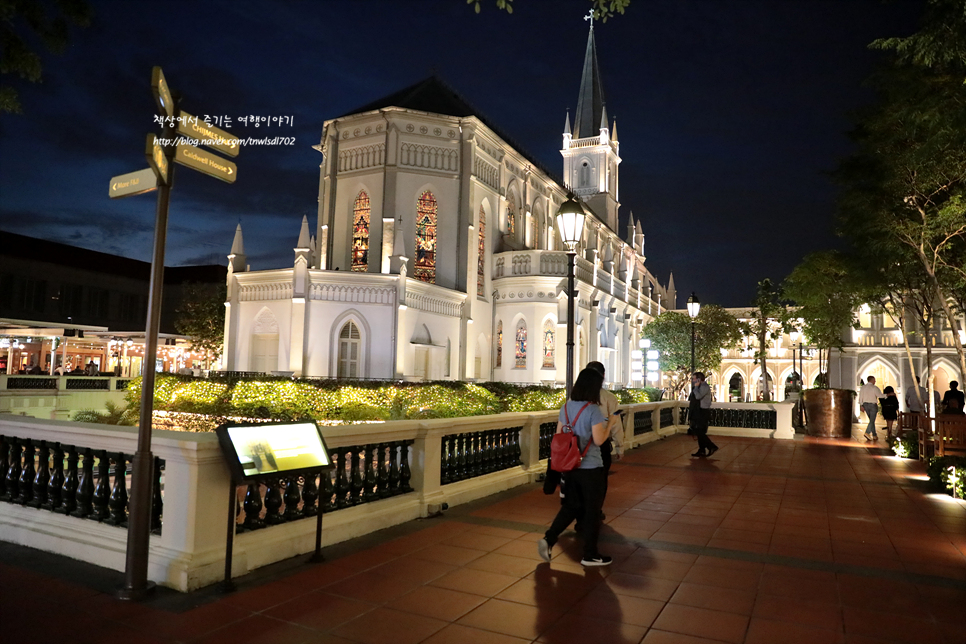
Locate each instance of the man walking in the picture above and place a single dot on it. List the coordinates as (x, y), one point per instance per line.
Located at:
(699, 410)
(869, 396)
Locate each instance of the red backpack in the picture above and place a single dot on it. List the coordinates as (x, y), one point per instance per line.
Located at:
(565, 454)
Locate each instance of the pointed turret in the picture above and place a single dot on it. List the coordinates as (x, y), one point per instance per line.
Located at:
(567, 131)
(672, 293)
(613, 131)
(303, 247)
(603, 117)
(590, 102)
(639, 236)
(237, 260)
(631, 232)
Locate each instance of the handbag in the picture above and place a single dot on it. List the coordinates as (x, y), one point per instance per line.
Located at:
(565, 454)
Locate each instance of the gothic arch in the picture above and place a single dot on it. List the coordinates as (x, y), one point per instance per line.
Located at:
(878, 365)
(365, 341)
(425, 242)
(264, 342)
(265, 321)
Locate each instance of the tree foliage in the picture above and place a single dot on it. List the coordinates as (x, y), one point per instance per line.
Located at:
(824, 288)
(670, 333)
(27, 24)
(603, 9)
(905, 186)
(201, 317)
(769, 320)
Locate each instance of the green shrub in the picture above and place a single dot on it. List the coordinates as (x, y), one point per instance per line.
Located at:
(948, 473)
(906, 446)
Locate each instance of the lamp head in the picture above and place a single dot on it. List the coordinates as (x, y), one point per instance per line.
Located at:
(570, 223)
(694, 305)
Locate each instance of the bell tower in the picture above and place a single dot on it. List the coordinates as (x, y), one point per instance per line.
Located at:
(591, 152)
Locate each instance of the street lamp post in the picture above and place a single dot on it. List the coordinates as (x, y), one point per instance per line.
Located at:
(694, 307)
(570, 223)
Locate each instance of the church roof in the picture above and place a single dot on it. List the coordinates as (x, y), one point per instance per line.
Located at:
(435, 96)
(590, 101)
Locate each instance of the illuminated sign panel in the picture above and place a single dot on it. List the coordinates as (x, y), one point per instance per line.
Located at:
(162, 93)
(206, 162)
(155, 156)
(209, 135)
(133, 183)
(273, 449)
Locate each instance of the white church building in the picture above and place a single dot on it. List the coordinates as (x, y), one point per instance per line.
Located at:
(436, 254)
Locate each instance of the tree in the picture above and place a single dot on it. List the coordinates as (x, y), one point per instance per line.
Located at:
(906, 183)
(769, 319)
(22, 21)
(823, 288)
(201, 317)
(670, 333)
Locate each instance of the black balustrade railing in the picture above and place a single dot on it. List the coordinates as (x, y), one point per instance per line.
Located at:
(547, 430)
(749, 418)
(667, 417)
(121, 385)
(90, 384)
(685, 415)
(75, 481)
(465, 456)
(362, 474)
(29, 382)
(643, 422)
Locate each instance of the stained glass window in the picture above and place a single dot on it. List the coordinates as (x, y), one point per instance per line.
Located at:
(480, 267)
(548, 344)
(521, 345)
(425, 267)
(360, 233)
(511, 215)
(499, 344)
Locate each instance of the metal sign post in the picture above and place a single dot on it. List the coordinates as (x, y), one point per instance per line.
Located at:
(160, 155)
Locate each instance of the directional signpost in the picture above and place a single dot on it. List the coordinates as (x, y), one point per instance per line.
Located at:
(133, 183)
(206, 162)
(160, 152)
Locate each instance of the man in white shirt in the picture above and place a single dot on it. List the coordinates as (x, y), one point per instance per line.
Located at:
(869, 396)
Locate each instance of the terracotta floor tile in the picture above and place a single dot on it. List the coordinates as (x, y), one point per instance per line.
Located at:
(734, 564)
(477, 541)
(511, 618)
(644, 587)
(733, 601)
(740, 545)
(320, 611)
(413, 569)
(552, 592)
(504, 564)
(580, 629)
(655, 636)
(447, 554)
(890, 625)
(661, 569)
(258, 629)
(459, 634)
(603, 603)
(476, 582)
(766, 631)
(263, 597)
(496, 531)
(723, 577)
(373, 587)
(818, 614)
(526, 549)
(388, 626)
(673, 537)
(700, 622)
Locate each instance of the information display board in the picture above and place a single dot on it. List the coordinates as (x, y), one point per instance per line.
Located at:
(273, 449)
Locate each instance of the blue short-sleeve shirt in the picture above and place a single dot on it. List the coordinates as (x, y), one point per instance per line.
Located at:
(583, 428)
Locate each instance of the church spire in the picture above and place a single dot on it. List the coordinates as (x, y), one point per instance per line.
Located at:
(567, 124)
(237, 260)
(590, 102)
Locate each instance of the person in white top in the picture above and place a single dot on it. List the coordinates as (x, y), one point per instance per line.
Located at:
(869, 396)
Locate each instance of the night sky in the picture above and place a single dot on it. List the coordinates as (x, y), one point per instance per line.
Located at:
(730, 113)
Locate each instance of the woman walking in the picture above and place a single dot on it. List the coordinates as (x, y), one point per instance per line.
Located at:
(890, 409)
(584, 486)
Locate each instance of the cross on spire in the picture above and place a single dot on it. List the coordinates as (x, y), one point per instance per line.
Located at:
(590, 17)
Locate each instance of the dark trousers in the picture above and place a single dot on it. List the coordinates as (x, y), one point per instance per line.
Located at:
(583, 494)
(699, 427)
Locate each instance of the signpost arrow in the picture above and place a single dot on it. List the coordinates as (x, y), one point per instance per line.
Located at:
(156, 159)
(206, 162)
(162, 93)
(211, 136)
(133, 183)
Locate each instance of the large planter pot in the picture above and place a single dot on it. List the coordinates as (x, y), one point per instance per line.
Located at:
(829, 412)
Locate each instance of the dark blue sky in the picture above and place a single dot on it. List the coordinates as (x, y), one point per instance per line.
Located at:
(729, 114)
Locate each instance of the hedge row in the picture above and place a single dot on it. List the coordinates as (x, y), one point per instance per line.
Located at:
(283, 398)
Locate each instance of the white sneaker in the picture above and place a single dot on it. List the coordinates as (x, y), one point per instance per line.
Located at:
(599, 560)
(543, 549)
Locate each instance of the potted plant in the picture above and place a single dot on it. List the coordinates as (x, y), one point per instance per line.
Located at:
(822, 289)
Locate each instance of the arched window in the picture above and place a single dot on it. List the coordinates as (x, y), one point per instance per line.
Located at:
(499, 344)
(425, 268)
(549, 345)
(360, 233)
(520, 345)
(584, 180)
(511, 215)
(350, 344)
(481, 263)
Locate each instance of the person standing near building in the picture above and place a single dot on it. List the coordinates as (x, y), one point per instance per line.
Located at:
(869, 396)
(699, 411)
(890, 409)
(952, 395)
(916, 397)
